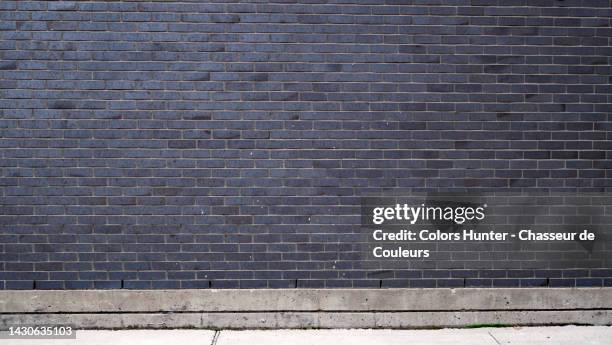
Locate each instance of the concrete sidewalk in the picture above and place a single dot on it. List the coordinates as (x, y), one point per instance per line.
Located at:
(570, 335)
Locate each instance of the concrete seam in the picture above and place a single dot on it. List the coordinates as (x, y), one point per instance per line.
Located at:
(215, 337)
(495, 339)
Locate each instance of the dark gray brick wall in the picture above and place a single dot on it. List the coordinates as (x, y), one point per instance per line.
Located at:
(227, 144)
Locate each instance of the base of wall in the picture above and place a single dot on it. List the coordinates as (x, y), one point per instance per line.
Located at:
(313, 308)
(398, 320)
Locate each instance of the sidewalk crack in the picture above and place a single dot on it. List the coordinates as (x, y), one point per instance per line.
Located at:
(496, 341)
(215, 338)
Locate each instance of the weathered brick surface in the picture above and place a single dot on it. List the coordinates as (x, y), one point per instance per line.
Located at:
(226, 144)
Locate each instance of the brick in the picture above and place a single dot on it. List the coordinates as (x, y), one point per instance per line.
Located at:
(145, 142)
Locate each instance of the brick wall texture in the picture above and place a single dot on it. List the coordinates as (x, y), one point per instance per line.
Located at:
(226, 144)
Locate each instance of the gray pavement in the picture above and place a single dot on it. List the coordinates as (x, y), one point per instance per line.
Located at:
(566, 335)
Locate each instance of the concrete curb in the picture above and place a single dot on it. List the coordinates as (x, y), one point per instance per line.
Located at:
(290, 320)
(248, 300)
(307, 308)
